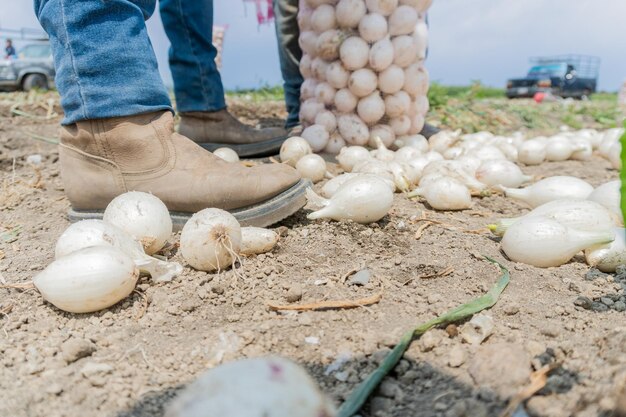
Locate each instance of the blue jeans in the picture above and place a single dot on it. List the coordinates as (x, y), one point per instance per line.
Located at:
(289, 53)
(105, 65)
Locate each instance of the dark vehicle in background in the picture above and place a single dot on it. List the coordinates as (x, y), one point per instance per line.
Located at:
(33, 68)
(564, 75)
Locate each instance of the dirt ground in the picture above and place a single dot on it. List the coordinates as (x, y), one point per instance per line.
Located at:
(129, 360)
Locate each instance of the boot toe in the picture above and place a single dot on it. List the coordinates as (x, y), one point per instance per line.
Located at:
(278, 177)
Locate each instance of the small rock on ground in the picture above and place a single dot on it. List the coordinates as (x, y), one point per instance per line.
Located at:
(75, 349)
(502, 367)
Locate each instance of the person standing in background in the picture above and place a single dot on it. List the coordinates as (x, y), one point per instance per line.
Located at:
(289, 54)
(9, 50)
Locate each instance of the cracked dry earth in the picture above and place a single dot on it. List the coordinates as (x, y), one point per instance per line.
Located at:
(130, 360)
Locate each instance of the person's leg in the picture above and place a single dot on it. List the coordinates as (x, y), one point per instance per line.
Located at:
(198, 85)
(289, 53)
(105, 68)
(119, 129)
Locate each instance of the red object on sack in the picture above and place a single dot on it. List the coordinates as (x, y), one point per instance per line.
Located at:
(539, 96)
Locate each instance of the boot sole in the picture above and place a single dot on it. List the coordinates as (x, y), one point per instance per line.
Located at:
(249, 150)
(260, 215)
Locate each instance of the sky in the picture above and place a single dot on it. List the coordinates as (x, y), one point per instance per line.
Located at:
(486, 40)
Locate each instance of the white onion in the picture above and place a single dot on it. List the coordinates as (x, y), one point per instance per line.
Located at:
(371, 108)
(88, 280)
(445, 193)
(318, 68)
(89, 233)
(531, 152)
(350, 12)
(420, 5)
(608, 194)
(615, 156)
(455, 170)
(226, 154)
(397, 104)
(352, 155)
(345, 101)
(400, 125)
(327, 119)
(417, 124)
(255, 240)
(406, 154)
(362, 82)
(259, 387)
(323, 18)
(363, 199)
(542, 242)
(416, 80)
(330, 188)
(309, 109)
(404, 50)
(384, 133)
(293, 149)
(327, 45)
(308, 43)
(325, 93)
(487, 152)
(336, 75)
(501, 172)
(307, 90)
(558, 149)
(402, 21)
(305, 67)
(443, 140)
(414, 141)
(422, 106)
(549, 189)
(391, 80)
(381, 55)
(420, 37)
(383, 7)
(607, 257)
(381, 152)
(578, 214)
(210, 240)
(335, 144)
(317, 136)
(352, 129)
(312, 167)
(354, 53)
(143, 216)
(583, 150)
(373, 27)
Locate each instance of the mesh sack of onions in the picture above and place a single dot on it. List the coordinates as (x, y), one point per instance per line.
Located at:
(363, 69)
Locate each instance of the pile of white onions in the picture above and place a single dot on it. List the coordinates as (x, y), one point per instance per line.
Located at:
(98, 262)
(363, 71)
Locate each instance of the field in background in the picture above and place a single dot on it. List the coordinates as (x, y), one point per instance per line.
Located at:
(478, 107)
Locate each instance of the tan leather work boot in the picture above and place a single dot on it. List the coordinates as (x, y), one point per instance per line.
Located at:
(213, 130)
(103, 158)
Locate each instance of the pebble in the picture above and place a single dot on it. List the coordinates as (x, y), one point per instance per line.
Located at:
(389, 388)
(361, 278)
(607, 301)
(598, 306)
(96, 373)
(381, 406)
(502, 367)
(619, 306)
(34, 159)
(511, 309)
(54, 388)
(433, 298)
(294, 294)
(312, 340)
(468, 407)
(456, 356)
(429, 341)
(75, 349)
(584, 302)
